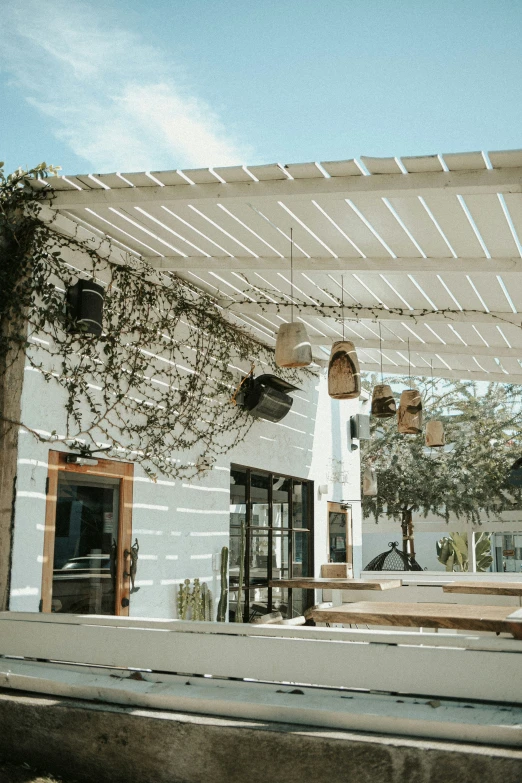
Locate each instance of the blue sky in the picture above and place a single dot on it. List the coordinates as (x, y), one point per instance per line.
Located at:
(127, 85)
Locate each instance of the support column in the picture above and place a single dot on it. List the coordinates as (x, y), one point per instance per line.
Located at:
(472, 557)
(11, 383)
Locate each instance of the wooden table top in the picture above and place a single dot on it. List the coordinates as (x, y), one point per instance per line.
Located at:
(469, 618)
(311, 582)
(484, 588)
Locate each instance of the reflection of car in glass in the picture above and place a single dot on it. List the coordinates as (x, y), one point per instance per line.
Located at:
(84, 585)
(90, 564)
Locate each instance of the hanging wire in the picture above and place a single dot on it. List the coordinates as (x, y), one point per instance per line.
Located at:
(380, 350)
(409, 362)
(342, 301)
(292, 273)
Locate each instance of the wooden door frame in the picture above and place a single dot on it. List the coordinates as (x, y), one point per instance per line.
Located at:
(124, 471)
(347, 510)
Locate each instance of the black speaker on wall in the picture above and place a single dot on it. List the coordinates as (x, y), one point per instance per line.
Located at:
(267, 397)
(85, 307)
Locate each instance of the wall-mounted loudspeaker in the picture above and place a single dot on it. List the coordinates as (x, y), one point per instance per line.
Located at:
(358, 429)
(267, 397)
(85, 307)
(360, 426)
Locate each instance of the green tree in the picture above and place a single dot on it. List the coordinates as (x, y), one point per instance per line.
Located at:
(467, 477)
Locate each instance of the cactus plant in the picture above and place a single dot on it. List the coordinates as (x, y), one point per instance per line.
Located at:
(223, 598)
(184, 599)
(239, 613)
(197, 601)
(206, 598)
(452, 552)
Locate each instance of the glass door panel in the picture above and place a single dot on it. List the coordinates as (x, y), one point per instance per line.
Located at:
(300, 551)
(238, 528)
(299, 504)
(88, 558)
(85, 544)
(277, 519)
(260, 508)
(280, 554)
(337, 527)
(281, 488)
(258, 556)
(280, 569)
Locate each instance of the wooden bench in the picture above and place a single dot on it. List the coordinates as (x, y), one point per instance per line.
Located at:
(499, 619)
(485, 588)
(335, 584)
(325, 583)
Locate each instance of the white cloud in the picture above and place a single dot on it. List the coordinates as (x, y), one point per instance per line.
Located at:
(116, 101)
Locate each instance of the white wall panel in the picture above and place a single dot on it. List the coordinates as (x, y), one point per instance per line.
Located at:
(181, 525)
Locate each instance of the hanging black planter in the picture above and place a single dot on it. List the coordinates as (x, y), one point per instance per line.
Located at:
(266, 397)
(85, 307)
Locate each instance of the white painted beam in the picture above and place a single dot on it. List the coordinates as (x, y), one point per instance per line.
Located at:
(429, 348)
(375, 314)
(438, 372)
(348, 264)
(66, 227)
(508, 180)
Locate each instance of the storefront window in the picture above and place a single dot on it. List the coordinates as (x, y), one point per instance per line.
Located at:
(276, 515)
(507, 550)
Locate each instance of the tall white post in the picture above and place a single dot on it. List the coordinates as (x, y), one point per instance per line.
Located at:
(472, 560)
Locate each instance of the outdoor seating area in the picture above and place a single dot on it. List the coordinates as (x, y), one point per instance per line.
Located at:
(454, 616)
(254, 530)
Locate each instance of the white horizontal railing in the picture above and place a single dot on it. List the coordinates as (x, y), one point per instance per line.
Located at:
(437, 665)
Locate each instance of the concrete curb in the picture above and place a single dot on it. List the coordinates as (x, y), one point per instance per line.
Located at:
(108, 743)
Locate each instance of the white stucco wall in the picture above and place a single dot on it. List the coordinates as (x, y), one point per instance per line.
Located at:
(181, 525)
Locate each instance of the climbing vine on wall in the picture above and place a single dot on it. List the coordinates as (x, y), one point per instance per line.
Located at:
(269, 300)
(156, 386)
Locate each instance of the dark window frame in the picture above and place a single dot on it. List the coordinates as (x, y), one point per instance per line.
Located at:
(270, 474)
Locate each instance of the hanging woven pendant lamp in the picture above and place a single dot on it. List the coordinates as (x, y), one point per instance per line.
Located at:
(435, 437)
(293, 348)
(383, 403)
(369, 481)
(344, 373)
(409, 414)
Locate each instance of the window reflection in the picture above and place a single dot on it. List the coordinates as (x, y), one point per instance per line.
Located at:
(337, 527)
(86, 533)
(238, 488)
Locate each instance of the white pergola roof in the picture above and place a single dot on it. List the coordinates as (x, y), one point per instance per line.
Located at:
(436, 237)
